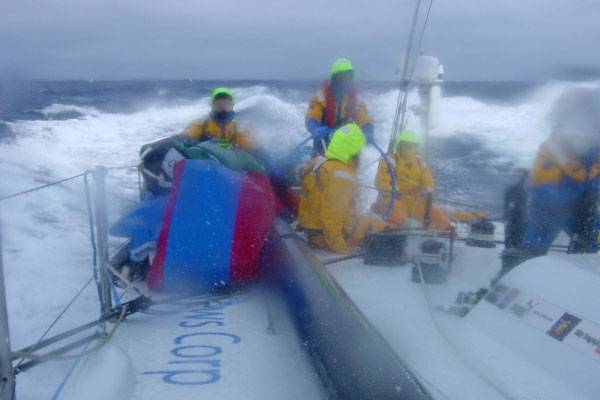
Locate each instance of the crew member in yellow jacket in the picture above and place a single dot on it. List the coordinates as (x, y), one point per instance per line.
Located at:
(336, 104)
(414, 184)
(329, 189)
(220, 125)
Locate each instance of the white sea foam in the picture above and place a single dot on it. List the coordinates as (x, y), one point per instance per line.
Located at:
(57, 109)
(46, 246)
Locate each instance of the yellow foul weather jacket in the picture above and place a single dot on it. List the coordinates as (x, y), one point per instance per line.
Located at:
(228, 132)
(413, 176)
(308, 209)
(336, 183)
(329, 189)
(554, 165)
(414, 181)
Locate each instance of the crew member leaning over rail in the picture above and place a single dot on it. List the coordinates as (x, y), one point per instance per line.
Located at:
(220, 125)
(329, 189)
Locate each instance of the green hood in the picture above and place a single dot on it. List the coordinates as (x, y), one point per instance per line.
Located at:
(346, 143)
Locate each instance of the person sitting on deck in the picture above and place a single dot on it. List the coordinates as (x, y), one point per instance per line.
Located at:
(220, 125)
(329, 190)
(336, 104)
(414, 186)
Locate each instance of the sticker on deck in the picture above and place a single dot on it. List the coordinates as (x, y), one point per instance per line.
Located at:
(563, 326)
(558, 323)
(585, 337)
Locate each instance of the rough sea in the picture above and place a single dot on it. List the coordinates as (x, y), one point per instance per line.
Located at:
(50, 130)
(486, 130)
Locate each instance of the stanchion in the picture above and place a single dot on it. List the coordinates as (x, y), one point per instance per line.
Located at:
(7, 383)
(102, 239)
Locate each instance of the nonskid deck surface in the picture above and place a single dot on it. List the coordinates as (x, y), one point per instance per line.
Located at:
(241, 345)
(450, 354)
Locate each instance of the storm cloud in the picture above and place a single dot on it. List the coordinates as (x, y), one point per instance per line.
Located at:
(270, 39)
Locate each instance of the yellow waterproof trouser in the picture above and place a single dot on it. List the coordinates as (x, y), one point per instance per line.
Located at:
(364, 224)
(409, 206)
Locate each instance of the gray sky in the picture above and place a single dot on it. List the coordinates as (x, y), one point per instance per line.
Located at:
(279, 39)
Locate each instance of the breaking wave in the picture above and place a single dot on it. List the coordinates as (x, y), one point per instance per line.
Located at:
(473, 151)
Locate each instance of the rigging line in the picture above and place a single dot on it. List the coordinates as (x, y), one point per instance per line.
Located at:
(123, 167)
(402, 96)
(35, 189)
(404, 116)
(414, 66)
(54, 183)
(60, 315)
(420, 45)
(127, 282)
(56, 356)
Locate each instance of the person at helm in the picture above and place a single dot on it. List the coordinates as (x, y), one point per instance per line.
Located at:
(565, 178)
(414, 185)
(329, 189)
(220, 125)
(336, 104)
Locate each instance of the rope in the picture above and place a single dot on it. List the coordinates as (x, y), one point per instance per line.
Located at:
(62, 385)
(419, 46)
(115, 294)
(54, 183)
(403, 95)
(122, 167)
(127, 282)
(343, 258)
(35, 189)
(400, 117)
(57, 357)
(23, 356)
(56, 320)
(302, 143)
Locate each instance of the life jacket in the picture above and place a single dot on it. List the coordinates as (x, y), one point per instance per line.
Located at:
(330, 116)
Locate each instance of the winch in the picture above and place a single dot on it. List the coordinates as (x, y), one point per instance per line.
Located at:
(431, 262)
(482, 234)
(385, 248)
